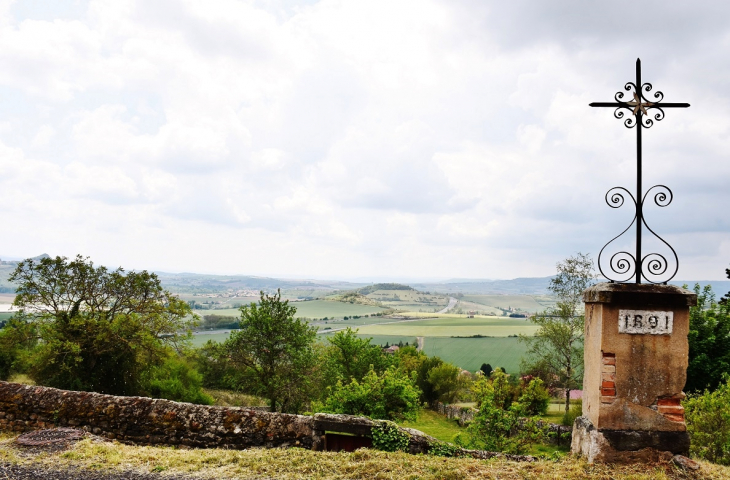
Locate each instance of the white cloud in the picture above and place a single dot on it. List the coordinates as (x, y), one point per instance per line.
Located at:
(345, 138)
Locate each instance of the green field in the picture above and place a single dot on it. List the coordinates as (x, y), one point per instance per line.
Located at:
(200, 340)
(454, 326)
(377, 339)
(524, 303)
(470, 353)
(311, 309)
(410, 300)
(5, 316)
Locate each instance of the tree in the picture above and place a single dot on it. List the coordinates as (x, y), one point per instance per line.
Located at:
(391, 395)
(709, 342)
(349, 356)
(500, 426)
(558, 343)
(276, 353)
(486, 369)
(447, 382)
(96, 330)
(708, 423)
(726, 299)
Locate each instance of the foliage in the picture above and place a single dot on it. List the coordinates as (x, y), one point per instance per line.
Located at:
(557, 346)
(709, 342)
(391, 395)
(176, 380)
(213, 322)
(97, 330)
(443, 449)
(350, 357)
(499, 425)
(576, 410)
(275, 353)
(534, 398)
(389, 438)
(448, 382)
(486, 369)
(726, 298)
(708, 423)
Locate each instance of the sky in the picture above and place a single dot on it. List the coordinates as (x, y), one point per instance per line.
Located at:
(345, 139)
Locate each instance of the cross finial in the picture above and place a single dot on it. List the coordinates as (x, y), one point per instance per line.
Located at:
(643, 113)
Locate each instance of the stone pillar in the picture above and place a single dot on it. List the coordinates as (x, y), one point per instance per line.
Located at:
(636, 356)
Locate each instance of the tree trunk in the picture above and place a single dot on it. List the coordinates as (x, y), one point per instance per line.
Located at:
(567, 400)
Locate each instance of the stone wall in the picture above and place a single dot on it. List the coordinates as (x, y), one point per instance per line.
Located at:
(141, 420)
(151, 421)
(464, 415)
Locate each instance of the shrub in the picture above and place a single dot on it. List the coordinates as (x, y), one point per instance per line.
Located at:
(499, 425)
(535, 398)
(708, 423)
(178, 381)
(576, 410)
(388, 396)
(389, 438)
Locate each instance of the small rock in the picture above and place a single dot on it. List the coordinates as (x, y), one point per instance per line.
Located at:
(685, 463)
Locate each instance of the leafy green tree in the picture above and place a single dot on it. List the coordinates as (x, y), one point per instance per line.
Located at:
(94, 329)
(708, 423)
(486, 369)
(275, 352)
(709, 342)
(176, 380)
(349, 356)
(391, 395)
(447, 382)
(558, 343)
(500, 424)
(726, 299)
(534, 398)
(411, 361)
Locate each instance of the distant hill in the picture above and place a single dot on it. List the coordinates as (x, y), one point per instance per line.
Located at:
(382, 286)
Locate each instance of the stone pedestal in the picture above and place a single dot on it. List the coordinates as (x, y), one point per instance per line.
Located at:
(636, 355)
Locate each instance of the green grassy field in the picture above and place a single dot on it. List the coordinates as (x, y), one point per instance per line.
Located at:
(200, 340)
(377, 339)
(525, 303)
(454, 326)
(311, 309)
(470, 353)
(410, 300)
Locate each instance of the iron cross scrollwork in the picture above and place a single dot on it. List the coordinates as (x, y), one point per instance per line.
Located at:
(637, 110)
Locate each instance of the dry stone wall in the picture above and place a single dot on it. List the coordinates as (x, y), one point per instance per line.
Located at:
(151, 421)
(142, 420)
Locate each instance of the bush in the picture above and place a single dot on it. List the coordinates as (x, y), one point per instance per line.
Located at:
(708, 423)
(535, 398)
(178, 381)
(576, 410)
(499, 426)
(389, 396)
(389, 438)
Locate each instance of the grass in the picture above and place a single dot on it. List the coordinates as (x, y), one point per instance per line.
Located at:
(525, 303)
(438, 426)
(227, 398)
(454, 326)
(284, 464)
(379, 339)
(471, 353)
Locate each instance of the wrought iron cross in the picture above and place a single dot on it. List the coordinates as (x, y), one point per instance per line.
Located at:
(623, 263)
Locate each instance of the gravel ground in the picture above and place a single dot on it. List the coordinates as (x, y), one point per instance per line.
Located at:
(18, 472)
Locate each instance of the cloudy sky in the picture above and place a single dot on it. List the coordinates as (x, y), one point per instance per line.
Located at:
(356, 139)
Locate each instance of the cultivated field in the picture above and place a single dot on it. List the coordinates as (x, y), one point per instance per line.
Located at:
(311, 309)
(523, 303)
(411, 300)
(454, 326)
(471, 353)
